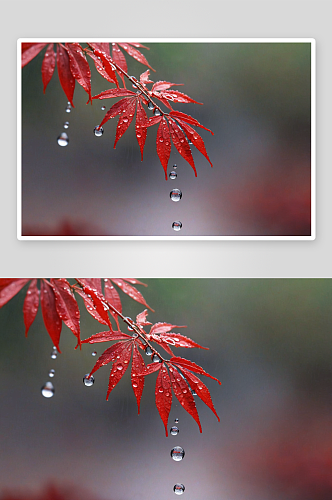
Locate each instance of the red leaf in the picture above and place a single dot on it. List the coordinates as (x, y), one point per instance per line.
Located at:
(181, 143)
(79, 66)
(119, 367)
(107, 94)
(136, 54)
(134, 281)
(174, 95)
(178, 340)
(115, 110)
(159, 341)
(30, 306)
(90, 307)
(163, 327)
(163, 393)
(30, 50)
(48, 65)
(188, 119)
(153, 120)
(196, 139)
(100, 67)
(65, 75)
(109, 355)
(120, 60)
(151, 368)
(66, 306)
(105, 47)
(107, 62)
(106, 337)
(144, 77)
(201, 390)
(97, 298)
(162, 85)
(141, 126)
(125, 119)
(184, 395)
(11, 288)
(131, 291)
(190, 365)
(113, 298)
(163, 144)
(141, 318)
(137, 381)
(51, 317)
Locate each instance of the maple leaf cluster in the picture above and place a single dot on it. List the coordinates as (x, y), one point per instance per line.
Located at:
(174, 126)
(58, 304)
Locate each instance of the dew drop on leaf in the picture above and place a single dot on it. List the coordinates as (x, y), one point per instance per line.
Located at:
(66, 125)
(51, 373)
(175, 195)
(48, 390)
(120, 367)
(150, 105)
(88, 381)
(63, 139)
(98, 131)
(174, 430)
(94, 353)
(177, 225)
(148, 351)
(173, 175)
(54, 353)
(178, 489)
(177, 453)
(156, 112)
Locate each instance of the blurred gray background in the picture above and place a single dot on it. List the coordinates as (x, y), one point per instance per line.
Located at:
(256, 101)
(270, 345)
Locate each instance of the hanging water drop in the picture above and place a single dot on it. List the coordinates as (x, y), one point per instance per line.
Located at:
(54, 352)
(156, 112)
(175, 166)
(148, 351)
(155, 358)
(178, 489)
(94, 353)
(175, 195)
(88, 380)
(48, 390)
(63, 139)
(177, 225)
(103, 108)
(51, 373)
(130, 321)
(194, 393)
(177, 453)
(174, 430)
(173, 175)
(150, 105)
(66, 125)
(176, 420)
(98, 131)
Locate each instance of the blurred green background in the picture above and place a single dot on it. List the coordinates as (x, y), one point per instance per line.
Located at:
(257, 99)
(270, 345)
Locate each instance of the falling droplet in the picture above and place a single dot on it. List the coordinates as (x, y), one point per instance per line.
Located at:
(156, 112)
(175, 166)
(94, 353)
(103, 108)
(174, 430)
(68, 108)
(177, 453)
(54, 352)
(48, 390)
(175, 195)
(173, 175)
(148, 351)
(179, 489)
(63, 139)
(88, 380)
(66, 125)
(150, 105)
(51, 373)
(155, 359)
(98, 131)
(176, 420)
(177, 225)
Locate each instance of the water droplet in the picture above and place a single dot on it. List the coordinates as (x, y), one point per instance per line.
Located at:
(176, 420)
(125, 120)
(51, 373)
(156, 112)
(155, 359)
(54, 352)
(135, 384)
(130, 321)
(66, 125)
(189, 142)
(178, 489)
(177, 225)
(148, 351)
(98, 131)
(119, 367)
(68, 109)
(175, 166)
(173, 175)
(194, 393)
(48, 390)
(103, 108)
(161, 389)
(174, 430)
(177, 453)
(63, 139)
(138, 135)
(150, 105)
(88, 380)
(175, 194)
(94, 353)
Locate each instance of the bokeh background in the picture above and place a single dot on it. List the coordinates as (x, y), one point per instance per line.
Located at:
(257, 100)
(270, 345)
